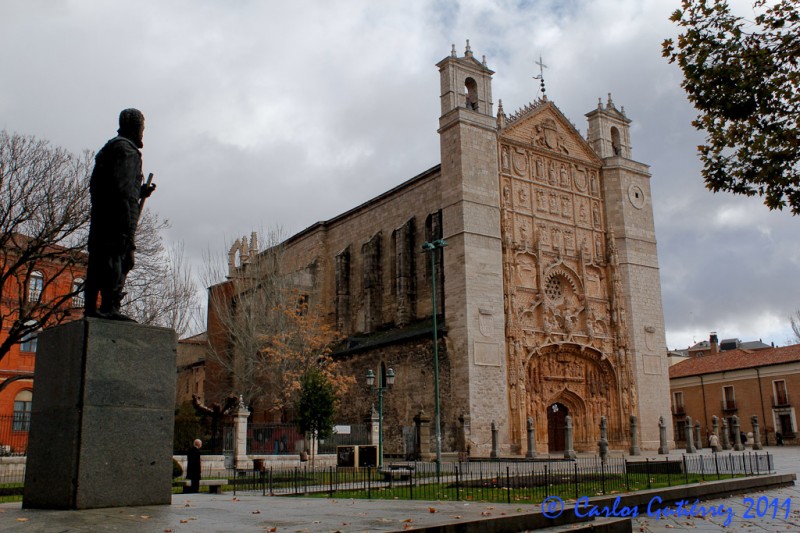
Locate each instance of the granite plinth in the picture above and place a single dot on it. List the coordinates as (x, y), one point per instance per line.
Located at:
(102, 418)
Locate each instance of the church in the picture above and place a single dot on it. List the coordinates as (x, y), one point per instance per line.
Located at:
(547, 291)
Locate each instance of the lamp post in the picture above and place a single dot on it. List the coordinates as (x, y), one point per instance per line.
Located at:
(379, 389)
(431, 247)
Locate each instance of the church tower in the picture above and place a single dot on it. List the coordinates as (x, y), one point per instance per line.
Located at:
(632, 244)
(470, 202)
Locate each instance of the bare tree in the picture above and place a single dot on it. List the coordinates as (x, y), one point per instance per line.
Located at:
(264, 332)
(44, 215)
(794, 319)
(44, 220)
(161, 290)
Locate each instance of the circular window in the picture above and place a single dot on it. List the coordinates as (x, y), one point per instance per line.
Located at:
(636, 196)
(553, 288)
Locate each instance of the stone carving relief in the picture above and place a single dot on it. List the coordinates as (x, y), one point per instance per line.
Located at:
(579, 179)
(504, 159)
(520, 162)
(546, 135)
(506, 194)
(541, 201)
(539, 169)
(564, 177)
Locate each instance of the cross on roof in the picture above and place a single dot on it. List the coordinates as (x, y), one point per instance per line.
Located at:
(540, 77)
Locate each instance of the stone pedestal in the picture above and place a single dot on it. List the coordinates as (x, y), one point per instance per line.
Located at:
(102, 418)
(663, 448)
(241, 459)
(423, 423)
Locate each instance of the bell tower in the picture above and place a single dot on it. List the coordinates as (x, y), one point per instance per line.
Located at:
(470, 196)
(629, 215)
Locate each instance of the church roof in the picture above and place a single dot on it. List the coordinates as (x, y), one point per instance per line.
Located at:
(735, 360)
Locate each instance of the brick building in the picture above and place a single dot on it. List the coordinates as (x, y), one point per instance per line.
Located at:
(44, 288)
(548, 288)
(739, 382)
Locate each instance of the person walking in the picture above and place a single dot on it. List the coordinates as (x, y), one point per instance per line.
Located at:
(713, 441)
(193, 466)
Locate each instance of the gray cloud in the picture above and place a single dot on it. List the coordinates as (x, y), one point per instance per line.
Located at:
(266, 114)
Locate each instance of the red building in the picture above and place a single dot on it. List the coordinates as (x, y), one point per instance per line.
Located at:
(764, 383)
(39, 292)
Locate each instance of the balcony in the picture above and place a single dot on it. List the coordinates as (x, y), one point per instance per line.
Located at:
(728, 406)
(781, 401)
(678, 410)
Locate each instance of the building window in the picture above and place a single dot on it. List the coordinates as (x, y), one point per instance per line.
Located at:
(728, 400)
(22, 411)
(677, 403)
(35, 286)
(77, 288)
(781, 395)
(29, 342)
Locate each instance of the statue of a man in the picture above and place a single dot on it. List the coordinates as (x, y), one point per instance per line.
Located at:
(117, 195)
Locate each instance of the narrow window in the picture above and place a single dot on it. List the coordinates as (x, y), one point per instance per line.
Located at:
(781, 395)
(728, 400)
(35, 286)
(677, 403)
(22, 411)
(471, 89)
(77, 288)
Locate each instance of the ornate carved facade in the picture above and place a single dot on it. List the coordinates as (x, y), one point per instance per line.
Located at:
(566, 333)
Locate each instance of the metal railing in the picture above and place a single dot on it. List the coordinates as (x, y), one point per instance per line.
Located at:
(14, 434)
(500, 481)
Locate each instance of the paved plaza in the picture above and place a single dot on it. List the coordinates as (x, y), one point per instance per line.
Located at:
(228, 513)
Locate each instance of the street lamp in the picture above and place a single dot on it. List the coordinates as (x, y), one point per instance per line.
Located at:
(379, 389)
(430, 247)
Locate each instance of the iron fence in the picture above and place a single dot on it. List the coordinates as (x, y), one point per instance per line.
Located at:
(500, 481)
(14, 434)
(352, 435)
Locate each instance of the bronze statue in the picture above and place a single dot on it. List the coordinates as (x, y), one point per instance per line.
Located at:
(117, 195)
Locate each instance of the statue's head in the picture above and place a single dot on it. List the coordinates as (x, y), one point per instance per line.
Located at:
(131, 125)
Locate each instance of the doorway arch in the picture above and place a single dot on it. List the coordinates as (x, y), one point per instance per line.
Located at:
(556, 422)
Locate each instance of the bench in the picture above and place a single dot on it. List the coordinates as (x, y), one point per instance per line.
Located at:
(214, 485)
(397, 471)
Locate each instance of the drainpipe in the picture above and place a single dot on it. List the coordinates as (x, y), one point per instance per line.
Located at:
(763, 413)
(705, 412)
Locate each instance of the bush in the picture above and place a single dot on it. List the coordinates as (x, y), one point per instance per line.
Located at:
(177, 469)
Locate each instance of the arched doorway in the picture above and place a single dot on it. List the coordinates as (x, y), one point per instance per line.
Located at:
(556, 422)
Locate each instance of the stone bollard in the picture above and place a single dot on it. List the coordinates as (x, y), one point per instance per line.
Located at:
(569, 453)
(634, 450)
(531, 453)
(663, 448)
(756, 434)
(737, 438)
(241, 460)
(493, 453)
(689, 436)
(698, 436)
(726, 435)
(603, 443)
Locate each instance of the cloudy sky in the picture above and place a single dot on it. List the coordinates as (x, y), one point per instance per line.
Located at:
(265, 114)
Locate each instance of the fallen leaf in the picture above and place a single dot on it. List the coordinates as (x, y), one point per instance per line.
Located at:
(22, 519)
(184, 521)
(458, 517)
(408, 526)
(408, 520)
(273, 529)
(486, 513)
(431, 509)
(167, 531)
(255, 512)
(144, 517)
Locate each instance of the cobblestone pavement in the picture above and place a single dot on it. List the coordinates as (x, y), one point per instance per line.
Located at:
(741, 512)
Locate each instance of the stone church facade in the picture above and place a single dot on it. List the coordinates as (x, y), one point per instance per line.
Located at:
(548, 287)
